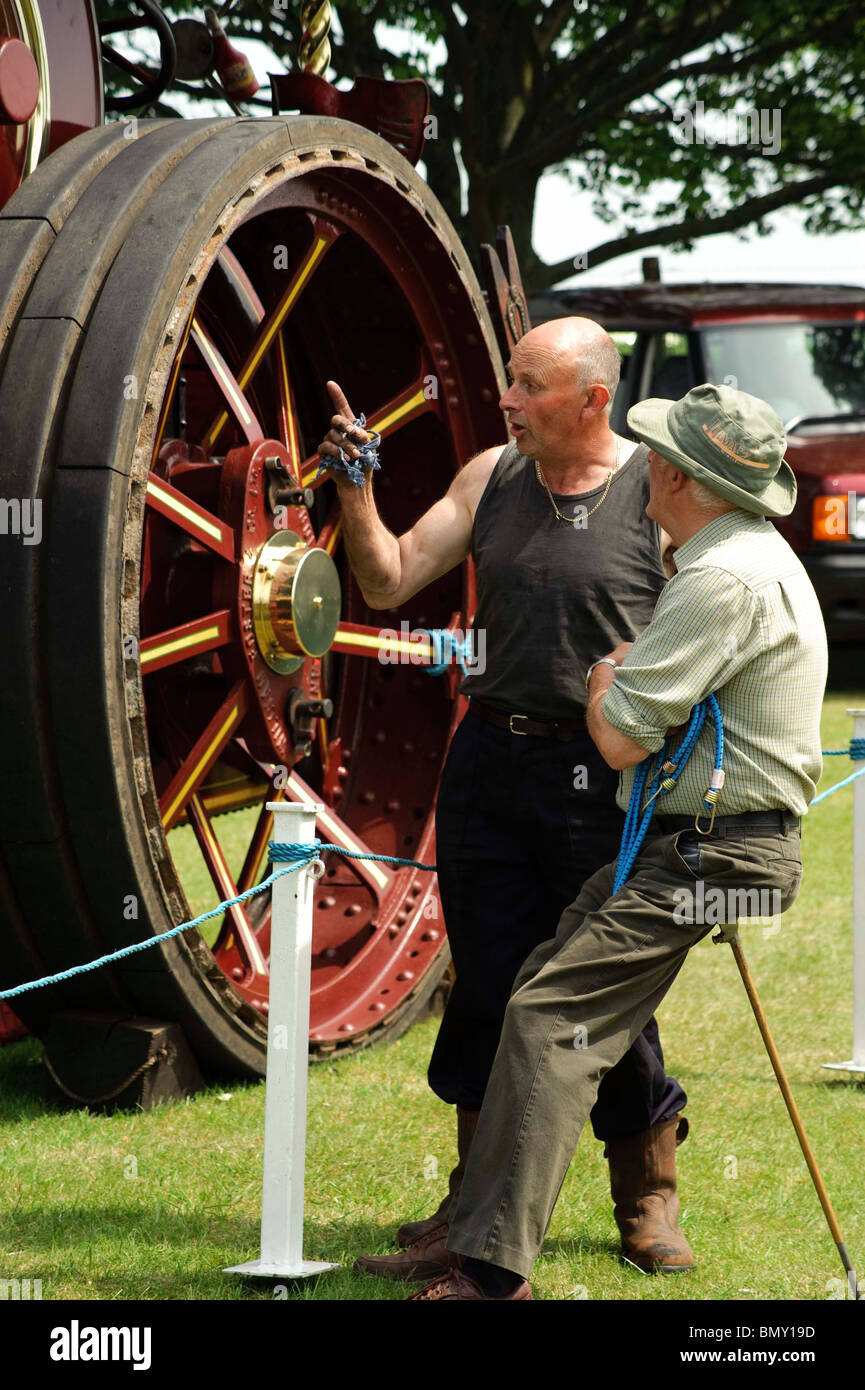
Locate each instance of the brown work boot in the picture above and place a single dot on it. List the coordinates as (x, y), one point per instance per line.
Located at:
(427, 1258)
(643, 1184)
(412, 1231)
(454, 1286)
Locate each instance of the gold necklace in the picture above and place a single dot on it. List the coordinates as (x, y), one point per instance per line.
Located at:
(570, 519)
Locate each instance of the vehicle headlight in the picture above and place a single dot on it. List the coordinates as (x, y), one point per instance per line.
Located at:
(839, 516)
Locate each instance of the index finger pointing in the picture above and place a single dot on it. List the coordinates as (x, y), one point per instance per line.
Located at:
(338, 397)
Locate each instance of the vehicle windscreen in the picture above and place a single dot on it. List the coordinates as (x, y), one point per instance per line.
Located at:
(799, 368)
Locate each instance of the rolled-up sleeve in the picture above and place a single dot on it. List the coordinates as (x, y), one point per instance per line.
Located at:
(704, 629)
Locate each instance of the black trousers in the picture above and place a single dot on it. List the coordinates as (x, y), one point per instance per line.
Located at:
(521, 823)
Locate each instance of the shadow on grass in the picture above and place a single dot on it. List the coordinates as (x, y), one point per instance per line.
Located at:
(87, 1248)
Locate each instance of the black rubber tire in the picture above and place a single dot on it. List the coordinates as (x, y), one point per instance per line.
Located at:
(81, 193)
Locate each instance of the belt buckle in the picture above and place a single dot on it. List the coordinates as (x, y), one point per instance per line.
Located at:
(511, 719)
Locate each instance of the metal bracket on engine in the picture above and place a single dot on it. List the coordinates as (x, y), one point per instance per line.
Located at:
(503, 288)
(395, 110)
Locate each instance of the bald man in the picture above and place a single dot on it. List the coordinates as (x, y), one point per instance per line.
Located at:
(568, 566)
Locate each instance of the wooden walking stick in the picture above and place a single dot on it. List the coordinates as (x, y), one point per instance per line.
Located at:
(732, 939)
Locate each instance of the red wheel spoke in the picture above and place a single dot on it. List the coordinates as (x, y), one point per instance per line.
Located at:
(172, 387)
(228, 385)
(287, 413)
(197, 520)
(330, 534)
(257, 851)
(236, 918)
(203, 755)
(330, 828)
(408, 405)
(287, 410)
(189, 639)
(323, 239)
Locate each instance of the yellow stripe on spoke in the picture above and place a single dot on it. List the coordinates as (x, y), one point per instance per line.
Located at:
(172, 503)
(338, 834)
(219, 737)
(364, 639)
(386, 421)
(316, 251)
(333, 538)
(280, 314)
(241, 926)
(179, 644)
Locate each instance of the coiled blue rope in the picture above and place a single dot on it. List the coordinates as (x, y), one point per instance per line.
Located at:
(657, 775)
(354, 467)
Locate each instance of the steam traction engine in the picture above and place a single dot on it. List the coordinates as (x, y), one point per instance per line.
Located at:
(186, 641)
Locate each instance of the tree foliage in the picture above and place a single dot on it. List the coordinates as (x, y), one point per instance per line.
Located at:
(603, 91)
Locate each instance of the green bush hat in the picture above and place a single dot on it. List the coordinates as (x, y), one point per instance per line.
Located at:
(731, 442)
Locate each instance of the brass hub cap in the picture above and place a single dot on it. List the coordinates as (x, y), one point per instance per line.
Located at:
(296, 601)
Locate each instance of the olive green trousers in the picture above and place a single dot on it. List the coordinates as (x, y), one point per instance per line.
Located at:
(577, 1005)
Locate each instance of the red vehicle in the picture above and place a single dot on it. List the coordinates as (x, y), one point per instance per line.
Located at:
(799, 347)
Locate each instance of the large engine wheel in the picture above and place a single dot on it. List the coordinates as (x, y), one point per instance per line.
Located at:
(163, 382)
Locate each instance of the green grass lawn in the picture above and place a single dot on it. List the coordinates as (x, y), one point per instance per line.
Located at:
(151, 1206)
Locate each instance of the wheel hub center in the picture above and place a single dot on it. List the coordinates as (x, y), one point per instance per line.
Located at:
(296, 601)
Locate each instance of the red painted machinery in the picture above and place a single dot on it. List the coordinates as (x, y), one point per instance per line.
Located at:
(174, 294)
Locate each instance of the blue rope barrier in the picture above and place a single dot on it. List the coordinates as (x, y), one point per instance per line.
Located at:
(354, 467)
(856, 751)
(294, 856)
(303, 854)
(656, 775)
(845, 782)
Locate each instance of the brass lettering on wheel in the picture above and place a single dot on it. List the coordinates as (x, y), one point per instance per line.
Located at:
(296, 602)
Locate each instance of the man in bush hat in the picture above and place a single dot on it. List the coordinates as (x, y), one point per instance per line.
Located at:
(740, 620)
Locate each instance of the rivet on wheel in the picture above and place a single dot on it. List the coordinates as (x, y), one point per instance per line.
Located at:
(431, 935)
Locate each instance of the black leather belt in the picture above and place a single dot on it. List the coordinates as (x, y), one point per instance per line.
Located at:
(761, 822)
(523, 724)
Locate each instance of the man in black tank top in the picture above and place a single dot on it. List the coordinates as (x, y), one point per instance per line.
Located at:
(567, 566)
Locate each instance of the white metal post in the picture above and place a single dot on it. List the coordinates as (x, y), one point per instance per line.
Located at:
(287, 1059)
(857, 1062)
